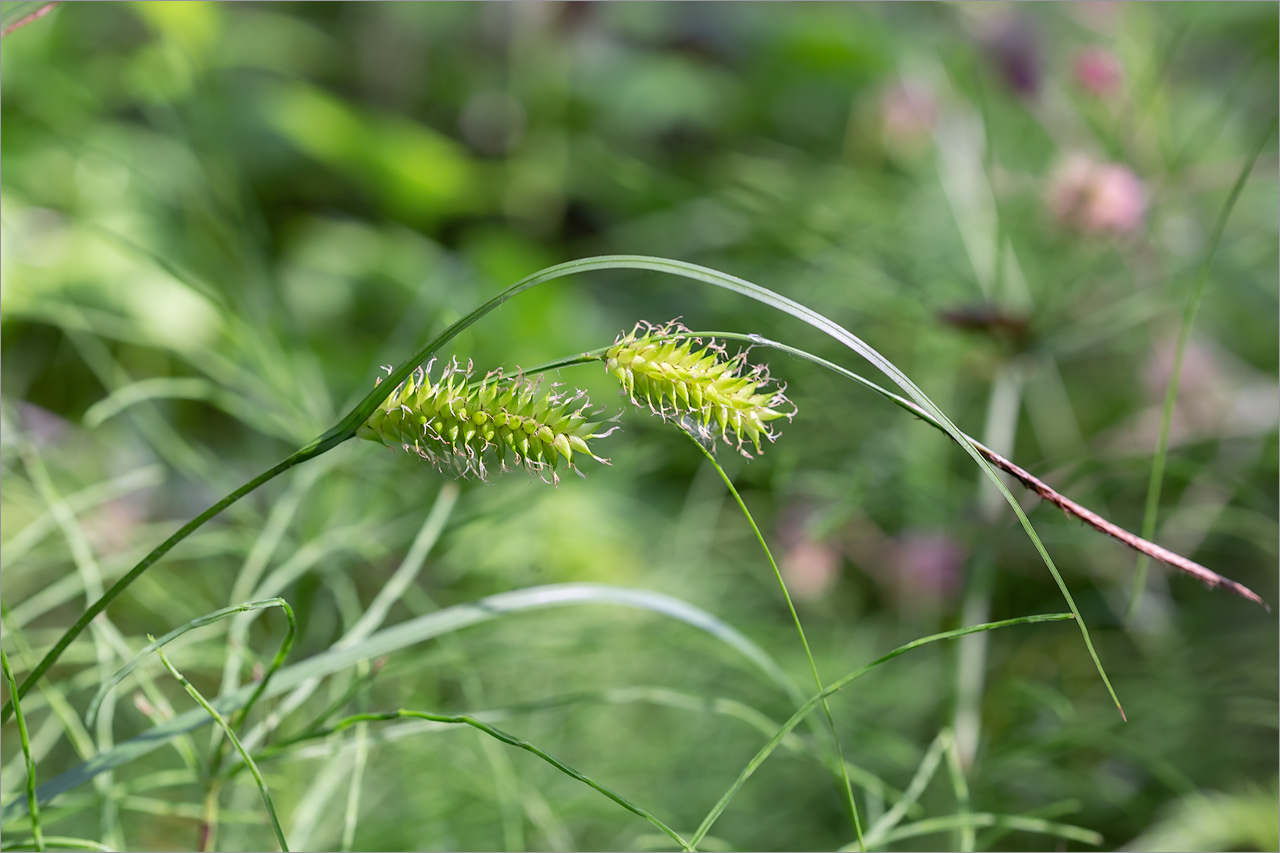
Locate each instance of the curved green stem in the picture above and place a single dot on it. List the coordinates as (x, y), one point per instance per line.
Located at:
(795, 617)
(33, 809)
(235, 741)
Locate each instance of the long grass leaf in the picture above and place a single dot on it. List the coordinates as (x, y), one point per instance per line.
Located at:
(60, 841)
(1081, 513)
(973, 820)
(512, 740)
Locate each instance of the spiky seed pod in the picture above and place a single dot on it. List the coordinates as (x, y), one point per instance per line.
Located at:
(697, 384)
(457, 424)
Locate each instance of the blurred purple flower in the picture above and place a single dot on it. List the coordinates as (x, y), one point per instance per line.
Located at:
(1014, 48)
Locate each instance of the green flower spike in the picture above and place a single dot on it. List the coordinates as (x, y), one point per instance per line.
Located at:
(697, 385)
(456, 424)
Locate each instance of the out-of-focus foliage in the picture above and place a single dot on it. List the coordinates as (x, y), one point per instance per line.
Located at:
(218, 220)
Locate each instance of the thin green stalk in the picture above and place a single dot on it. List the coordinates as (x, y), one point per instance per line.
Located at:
(510, 739)
(352, 814)
(961, 787)
(231, 735)
(276, 662)
(923, 776)
(795, 617)
(808, 707)
(1156, 482)
(33, 809)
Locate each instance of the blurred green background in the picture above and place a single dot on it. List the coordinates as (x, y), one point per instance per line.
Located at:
(220, 219)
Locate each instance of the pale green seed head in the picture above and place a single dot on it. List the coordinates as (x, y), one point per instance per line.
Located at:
(697, 385)
(458, 425)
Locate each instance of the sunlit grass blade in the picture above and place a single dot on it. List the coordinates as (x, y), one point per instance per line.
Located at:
(187, 388)
(33, 808)
(235, 741)
(207, 619)
(406, 634)
(25, 12)
(974, 820)
(1156, 482)
(507, 738)
(59, 841)
(808, 707)
(960, 785)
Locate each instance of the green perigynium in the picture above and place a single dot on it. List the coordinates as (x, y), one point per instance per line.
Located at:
(698, 385)
(457, 424)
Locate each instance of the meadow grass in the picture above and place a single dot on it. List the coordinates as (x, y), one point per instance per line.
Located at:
(471, 661)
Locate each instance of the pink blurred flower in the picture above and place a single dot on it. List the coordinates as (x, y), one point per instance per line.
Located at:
(1096, 198)
(810, 569)
(1098, 71)
(908, 112)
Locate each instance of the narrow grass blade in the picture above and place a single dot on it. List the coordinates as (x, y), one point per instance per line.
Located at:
(59, 841)
(507, 738)
(974, 820)
(172, 388)
(960, 786)
(1155, 484)
(231, 736)
(924, 774)
(200, 622)
(33, 808)
(432, 527)
(407, 634)
(807, 708)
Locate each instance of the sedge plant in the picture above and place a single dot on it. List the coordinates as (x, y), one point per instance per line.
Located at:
(468, 427)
